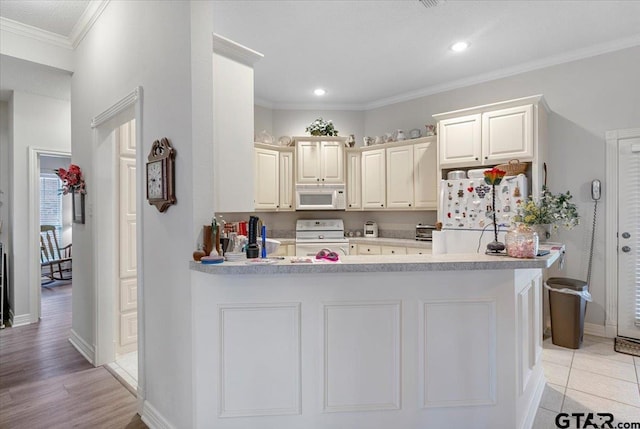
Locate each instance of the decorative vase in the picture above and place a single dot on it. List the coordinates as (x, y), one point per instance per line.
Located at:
(522, 242)
(495, 247)
(543, 230)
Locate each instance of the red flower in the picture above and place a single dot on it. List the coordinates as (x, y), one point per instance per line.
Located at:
(72, 179)
(494, 176)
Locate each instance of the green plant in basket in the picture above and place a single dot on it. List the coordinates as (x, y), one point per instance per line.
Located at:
(549, 209)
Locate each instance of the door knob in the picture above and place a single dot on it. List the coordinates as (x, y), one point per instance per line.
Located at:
(626, 249)
(626, 235)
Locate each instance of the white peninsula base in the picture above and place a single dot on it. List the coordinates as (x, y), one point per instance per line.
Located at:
(407, 349)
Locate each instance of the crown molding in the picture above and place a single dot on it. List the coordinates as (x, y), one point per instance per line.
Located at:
(566, 57)
(34, 33)
(86, 21)
(235, 51)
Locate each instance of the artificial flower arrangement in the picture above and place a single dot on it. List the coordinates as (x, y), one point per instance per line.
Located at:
(493, 177)
(72, 179)
(549, 209)
(320, 127)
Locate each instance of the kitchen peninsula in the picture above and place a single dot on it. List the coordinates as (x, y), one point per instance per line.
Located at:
(413, 341)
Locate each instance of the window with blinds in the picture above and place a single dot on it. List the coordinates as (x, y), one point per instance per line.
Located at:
(51, 201)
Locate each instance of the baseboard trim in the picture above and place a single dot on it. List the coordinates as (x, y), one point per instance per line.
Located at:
(84, 348)
(152, 418)
(19, 320)
(600, 330)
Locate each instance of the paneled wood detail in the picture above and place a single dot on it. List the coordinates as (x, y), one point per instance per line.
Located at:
(260, 353)
(128, 263)
(128, 294)
(459, 368)
(128, 328)
(362, 349)
(528, 328)
(127, 138)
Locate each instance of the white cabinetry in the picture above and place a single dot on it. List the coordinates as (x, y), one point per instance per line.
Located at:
(320, 160)
(487, 138)
(494, 134)
(399, 161)
(425, 176)
(393, 250)
(354, 180)
(273, 179)
(373, 179)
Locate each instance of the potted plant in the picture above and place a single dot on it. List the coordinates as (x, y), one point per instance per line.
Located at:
(320, 127)
(548, 212)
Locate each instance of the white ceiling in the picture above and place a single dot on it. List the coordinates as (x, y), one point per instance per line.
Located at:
(368, 53)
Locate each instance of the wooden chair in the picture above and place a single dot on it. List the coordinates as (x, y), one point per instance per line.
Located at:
(53, 256)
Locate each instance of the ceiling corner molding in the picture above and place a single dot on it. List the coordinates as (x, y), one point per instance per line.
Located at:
(566, 57)
(318, 107)
(86, 21)
(34, 33)
(235, 51)
(118, 107)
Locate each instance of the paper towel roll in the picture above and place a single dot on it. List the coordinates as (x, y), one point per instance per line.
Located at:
(439, 243)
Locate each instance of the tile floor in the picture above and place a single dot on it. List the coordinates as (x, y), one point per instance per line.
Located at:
(125, 369)
(593, 379)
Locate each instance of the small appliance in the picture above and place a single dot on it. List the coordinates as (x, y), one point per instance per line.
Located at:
(424, 232)
(320, 197)
(370, 229)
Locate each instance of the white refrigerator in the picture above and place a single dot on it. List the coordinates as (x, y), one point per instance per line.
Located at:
(466, 209)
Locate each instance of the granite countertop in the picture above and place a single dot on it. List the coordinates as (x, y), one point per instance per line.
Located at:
(381, 263)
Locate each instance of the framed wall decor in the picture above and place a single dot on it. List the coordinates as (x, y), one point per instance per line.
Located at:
(77, 199)
(161, 175)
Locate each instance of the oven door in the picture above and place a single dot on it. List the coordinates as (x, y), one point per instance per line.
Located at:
(312, 248)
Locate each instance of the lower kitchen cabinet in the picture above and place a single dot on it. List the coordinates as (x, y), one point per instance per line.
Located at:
(393, 250)
(418, 251)
(364, 249)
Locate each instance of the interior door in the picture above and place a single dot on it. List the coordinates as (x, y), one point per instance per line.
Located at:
(629, 238)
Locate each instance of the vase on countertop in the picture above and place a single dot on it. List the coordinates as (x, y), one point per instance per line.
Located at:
(543, 230)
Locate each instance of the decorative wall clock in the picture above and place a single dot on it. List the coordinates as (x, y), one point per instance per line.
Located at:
(161, 175)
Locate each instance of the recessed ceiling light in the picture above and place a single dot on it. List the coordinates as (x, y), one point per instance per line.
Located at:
(319, 91)
(459, 46)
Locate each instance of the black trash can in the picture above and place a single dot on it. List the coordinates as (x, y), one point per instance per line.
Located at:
(567, 311)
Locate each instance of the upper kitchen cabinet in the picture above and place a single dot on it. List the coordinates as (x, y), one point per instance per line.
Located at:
(273, 181)
(491, 134)
(354, 179)
(320, 159)
(373, 179)
(399, 162)
(232, 125)
(425, 175)
(495, 134)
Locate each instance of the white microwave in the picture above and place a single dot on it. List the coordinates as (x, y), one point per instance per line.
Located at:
(320, 197)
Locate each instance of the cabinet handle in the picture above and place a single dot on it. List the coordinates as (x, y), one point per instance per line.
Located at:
(381, 205)
(277, 207)
(289, 205)
(318, 179)
(476, 158)
(323, 179)
(486, 157)
(393, 251)
(349, 205)
(409, 204)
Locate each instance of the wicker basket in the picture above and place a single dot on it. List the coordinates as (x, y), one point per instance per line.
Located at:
(513, 167)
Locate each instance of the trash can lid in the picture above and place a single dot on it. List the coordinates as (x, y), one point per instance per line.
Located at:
(564, 282)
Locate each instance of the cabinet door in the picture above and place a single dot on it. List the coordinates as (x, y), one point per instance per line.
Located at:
(418, 251)
(393, 250)
(286, 181)
(364, 249)
(332, 162)
(266, 179)
(373, 179)
(459, 141)
(425, 176)
(400, 177)
(507, 134)
(354, 181)
(308, 162)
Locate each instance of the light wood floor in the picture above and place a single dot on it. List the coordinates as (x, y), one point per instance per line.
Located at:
(46, 383)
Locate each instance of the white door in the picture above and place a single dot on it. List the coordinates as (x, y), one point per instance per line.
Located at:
(332, 162)
(459, 141)
(266, 179)
(308, 162)
(425, 176)
(354, 181)
(507, 134)
(127, 285)
(629, 237)
(286, 180)
(400, 177)
(373, 179)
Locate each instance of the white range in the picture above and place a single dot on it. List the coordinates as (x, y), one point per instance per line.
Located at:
(313, 235)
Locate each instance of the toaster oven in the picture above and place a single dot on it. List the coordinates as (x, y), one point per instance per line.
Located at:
(424, 232)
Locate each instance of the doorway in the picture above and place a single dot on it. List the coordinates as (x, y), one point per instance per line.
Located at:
(628, 236)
